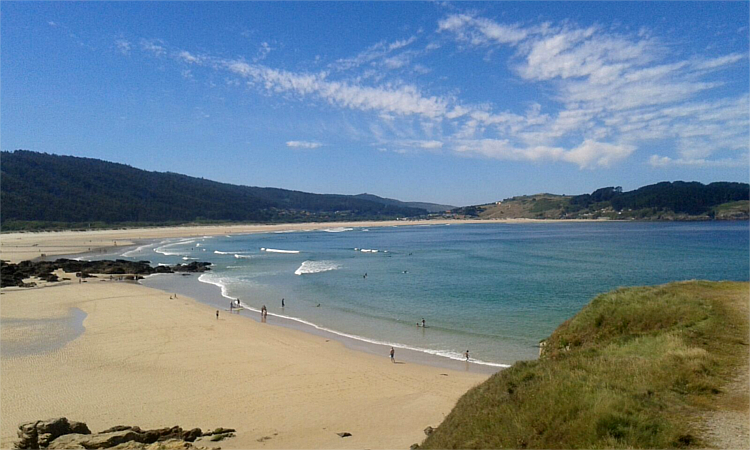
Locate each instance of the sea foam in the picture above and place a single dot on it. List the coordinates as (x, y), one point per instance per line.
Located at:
(274, 250)
(163, 248)
(337, 229)
(309, 267)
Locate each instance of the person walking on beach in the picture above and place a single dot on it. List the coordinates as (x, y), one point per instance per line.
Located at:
(423, 322)
(393, 354)
(467, 355)
(217, 314)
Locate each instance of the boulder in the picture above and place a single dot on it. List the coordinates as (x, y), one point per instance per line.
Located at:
(92, 441)
(42, 432)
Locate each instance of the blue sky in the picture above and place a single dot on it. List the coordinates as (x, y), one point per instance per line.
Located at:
(458, 103)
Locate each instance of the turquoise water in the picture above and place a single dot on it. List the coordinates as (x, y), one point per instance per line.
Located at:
(495, 289)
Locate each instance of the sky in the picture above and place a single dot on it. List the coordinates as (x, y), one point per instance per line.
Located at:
(457, 103)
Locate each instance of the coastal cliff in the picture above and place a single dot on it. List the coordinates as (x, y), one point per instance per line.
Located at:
(643, 367)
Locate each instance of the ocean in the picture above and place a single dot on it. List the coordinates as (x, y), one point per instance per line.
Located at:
(493, 289)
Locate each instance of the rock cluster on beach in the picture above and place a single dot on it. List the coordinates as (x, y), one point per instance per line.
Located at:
(14, 274)
(60, 433)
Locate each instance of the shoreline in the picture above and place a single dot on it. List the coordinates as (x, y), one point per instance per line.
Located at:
(19, 246)
(150, 360)
(210, 294)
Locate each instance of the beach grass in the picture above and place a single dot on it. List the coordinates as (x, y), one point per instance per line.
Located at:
(636, 368)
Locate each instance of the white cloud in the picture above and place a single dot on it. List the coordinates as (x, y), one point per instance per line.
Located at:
(479, 31)
(589, 154)
(263, 51)
(402, 100)
(123, 46)
(610, 87)
(666, 161)
(597, 154)
(376, 55)
(188, 57)
(303, 144)
(431, 145)
(608, 95)
(154, 46)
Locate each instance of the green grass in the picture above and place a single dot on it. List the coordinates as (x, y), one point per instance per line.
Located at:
(633, 369)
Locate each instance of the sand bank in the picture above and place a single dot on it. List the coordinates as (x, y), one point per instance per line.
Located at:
(152, 361)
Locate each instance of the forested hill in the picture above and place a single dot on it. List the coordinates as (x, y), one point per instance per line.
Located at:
(43, 190)
(429, 207)
(678, 200)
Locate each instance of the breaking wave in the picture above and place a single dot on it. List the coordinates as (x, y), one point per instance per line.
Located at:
(309, 267)
(274, 250)
(163, 249)
(337, 229)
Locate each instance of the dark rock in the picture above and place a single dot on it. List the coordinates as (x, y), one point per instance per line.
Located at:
(191, 435)
(344, 434)
(429, 430)
(14, 274)
(40, 433)
(219, 430)
(121, 428)
(63, 434)
(413, 446)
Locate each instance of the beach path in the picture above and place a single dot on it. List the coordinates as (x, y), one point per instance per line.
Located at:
(728, 426)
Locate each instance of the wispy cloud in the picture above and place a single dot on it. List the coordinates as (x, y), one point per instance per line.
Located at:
(303, 144)
(154, 46)
(608, 95)
(377, 54)
(402, 100)
(616, 91)
(480, 31)
(123, 46)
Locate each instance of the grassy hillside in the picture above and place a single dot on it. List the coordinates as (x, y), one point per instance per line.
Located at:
(636, 368)
(677, 200)
(40, 190)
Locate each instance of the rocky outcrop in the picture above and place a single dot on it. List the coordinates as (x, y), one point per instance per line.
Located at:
(63, 434)
(14, 274)
(40, 433)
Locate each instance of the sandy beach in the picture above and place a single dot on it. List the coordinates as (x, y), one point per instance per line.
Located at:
(145, 359)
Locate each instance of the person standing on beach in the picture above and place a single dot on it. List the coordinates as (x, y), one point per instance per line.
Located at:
(282, 302)
(393, 354)
(423, 323)
(467, 355)
(217, 314)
